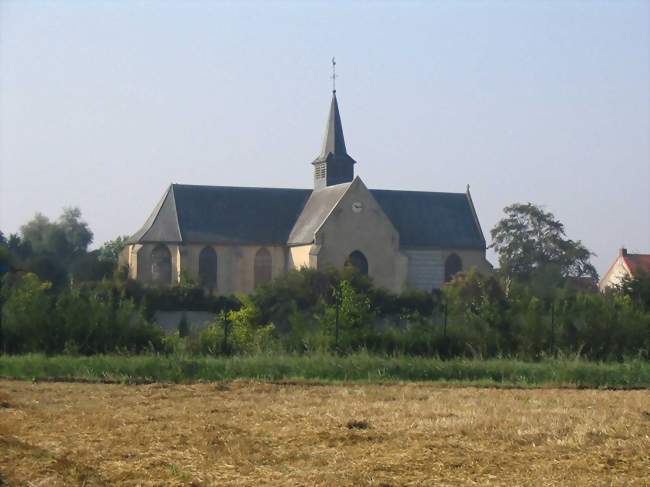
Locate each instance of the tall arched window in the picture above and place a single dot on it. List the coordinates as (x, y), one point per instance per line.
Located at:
(453, 265)
(357, 260)
(208, 268)
(262, 268)
(161, 265)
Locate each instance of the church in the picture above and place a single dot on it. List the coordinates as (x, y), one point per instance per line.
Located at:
(233, 239)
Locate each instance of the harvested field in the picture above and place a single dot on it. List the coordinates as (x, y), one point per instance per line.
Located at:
(246, 433)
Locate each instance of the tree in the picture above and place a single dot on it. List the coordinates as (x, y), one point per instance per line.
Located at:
(637, 288)
(110, 251)
(6, 258)
(77, 233)
(532, 243)
(89, 267)
(64, 239)
(26, 314)
(37, 232)
(53, 249)
(18, 247)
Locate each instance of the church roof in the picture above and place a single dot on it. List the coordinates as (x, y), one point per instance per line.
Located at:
(224, 214)
(162, 224)
(430, 219)
(319, 205)
(266, 216)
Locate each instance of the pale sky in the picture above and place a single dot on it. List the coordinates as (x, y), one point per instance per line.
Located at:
(104, 104)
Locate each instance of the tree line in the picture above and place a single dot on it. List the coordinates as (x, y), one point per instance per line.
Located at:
(58, 297)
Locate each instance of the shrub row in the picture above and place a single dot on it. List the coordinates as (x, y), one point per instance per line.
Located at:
(308, 311)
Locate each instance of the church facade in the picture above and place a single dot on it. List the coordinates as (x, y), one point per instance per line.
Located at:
(233, 239)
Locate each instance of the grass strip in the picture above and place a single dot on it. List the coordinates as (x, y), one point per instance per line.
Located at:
(358, 367)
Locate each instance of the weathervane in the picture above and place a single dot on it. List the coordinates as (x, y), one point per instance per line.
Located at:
(333, 75)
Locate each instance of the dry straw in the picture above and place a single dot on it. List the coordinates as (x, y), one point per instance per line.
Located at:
(248, 433)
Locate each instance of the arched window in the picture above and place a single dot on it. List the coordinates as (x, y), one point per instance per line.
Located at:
(208, 268)
(161, 265)
(357, 260)
(262, 269)
(453, 265)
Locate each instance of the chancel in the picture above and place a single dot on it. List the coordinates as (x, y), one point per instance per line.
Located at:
(233, 239)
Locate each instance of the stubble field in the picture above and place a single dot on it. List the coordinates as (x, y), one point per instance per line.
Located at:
(249, 433)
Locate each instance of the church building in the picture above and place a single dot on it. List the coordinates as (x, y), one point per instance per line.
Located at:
(232, 239)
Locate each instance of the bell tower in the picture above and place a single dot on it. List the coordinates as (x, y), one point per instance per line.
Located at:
(333, 165)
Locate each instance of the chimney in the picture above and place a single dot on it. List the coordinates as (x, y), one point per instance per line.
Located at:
(622, 252)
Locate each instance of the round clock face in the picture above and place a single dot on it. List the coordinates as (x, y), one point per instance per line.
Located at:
(357, 206)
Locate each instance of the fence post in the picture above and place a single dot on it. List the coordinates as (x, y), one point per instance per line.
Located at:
(444, 323)
(553, 327)
(337, 299)
(224, 347)
(445, 312)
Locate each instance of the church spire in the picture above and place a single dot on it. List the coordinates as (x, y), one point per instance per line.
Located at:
(333, 165)
(333, 142)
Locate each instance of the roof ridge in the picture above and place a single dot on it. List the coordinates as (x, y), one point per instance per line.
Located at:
(178, 223)
(356, 180)
(415, 191)
(476, 220)
(236, 187)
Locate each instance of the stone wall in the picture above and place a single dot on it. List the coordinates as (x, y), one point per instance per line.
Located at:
(299, 257)
(235, 264)
(358, 223)
(426, 267)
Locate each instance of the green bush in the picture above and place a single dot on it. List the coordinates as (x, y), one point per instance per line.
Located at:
(26, 320)
(471, 317)
(81, 320)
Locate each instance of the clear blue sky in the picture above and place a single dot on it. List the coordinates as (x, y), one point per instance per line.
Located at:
(103, 104)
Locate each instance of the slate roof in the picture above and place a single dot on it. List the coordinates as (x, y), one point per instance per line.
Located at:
(333, 141)
(318, 206)
(265, 216)
(428, 219)
(224, 215)
(162, 224)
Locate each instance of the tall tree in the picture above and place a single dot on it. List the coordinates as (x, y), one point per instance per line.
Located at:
(76, 231)
(51, 249)
(532, 243)
(64, 239)
(37, 232)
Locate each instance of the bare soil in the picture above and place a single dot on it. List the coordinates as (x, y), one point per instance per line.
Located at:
(248, 433)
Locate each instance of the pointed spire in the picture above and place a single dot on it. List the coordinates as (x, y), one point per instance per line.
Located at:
(333, 165)
(333, 142)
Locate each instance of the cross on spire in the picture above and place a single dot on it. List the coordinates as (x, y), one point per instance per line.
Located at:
(334, 75)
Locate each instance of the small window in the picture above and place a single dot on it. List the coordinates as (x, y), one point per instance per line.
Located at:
(262, 267)
(453, 265)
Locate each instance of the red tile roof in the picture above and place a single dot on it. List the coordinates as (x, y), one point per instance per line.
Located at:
(637, 263)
